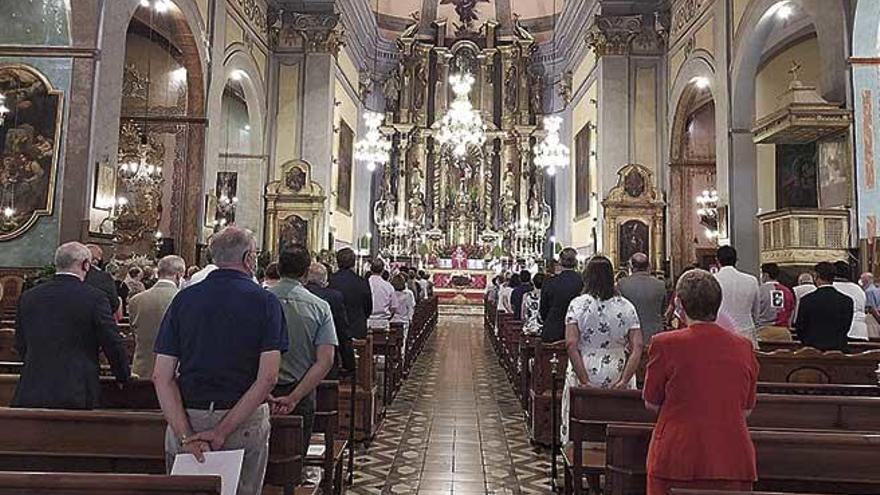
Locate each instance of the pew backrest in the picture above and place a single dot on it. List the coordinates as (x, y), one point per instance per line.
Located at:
(12, 483)
(809, 365)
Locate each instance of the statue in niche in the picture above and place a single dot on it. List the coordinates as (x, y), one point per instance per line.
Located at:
(391, 89)
(633, 239)
(520, 30)
(510, 88)
(536, 88)
(420, 86)
(466, 9)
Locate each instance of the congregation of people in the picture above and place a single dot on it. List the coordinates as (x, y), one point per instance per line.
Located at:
(224, 350)
(607, 320)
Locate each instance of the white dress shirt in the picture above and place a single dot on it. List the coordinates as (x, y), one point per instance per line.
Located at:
(382, 294)
(199, 275)
(739, 299)
(504, 302)
(859, 328)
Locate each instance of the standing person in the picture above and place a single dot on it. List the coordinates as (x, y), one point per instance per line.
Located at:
(505, 296)
(134, 281)
(317, 285)
(312, 337)
(600, 326)
(739, 294)
(531, 306)
(825, 315)
(271, 277)
(355, 290)
(805, 285)
(703, 382)
(647, 293)
(147, 310)
(425, 283)
(101, 280)
(859, 327)
(776, 303)
(218, 353)
(403, 303)
(59, 328)
(203, 273)
(872, 304)
(516, 297)
(557, 294)
(381, 290)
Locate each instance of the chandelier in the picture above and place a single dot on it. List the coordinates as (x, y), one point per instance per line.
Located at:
(374, 149)
(3, 109)
(550, 153)
(462, 126)
(707, 210)
(139, 166)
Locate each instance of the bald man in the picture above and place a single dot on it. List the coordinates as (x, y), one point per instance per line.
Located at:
(646, 292)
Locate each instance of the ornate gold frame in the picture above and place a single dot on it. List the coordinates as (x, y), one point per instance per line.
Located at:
(620, 207)
(53, 172)
(308, 202)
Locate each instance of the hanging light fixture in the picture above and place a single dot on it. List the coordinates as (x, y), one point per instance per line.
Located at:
(374, 148)
(707, 210)
(462, 126)
(550, 153)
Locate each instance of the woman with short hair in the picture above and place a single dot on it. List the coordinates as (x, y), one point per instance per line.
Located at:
(702, 380)
(602, 335)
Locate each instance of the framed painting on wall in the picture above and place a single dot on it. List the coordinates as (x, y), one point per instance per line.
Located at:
(343, 177)
(582, 171)
(796, 180)
(104, 197)
(834, 172)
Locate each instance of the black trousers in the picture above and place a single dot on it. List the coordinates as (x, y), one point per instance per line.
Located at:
(305, 408)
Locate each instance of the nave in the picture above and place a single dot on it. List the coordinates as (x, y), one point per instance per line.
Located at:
(455, 426)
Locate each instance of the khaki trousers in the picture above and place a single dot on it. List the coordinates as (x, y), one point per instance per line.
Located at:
(252, 436)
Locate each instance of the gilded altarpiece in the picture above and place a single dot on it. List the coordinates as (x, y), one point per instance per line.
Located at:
(634, 217)
(294, 208)
(433, 204)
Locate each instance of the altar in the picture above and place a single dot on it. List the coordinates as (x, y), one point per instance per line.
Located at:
(461, 286)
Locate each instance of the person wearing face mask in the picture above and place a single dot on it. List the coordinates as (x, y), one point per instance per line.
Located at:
(218, 353)
(59, 327)
(147, 308)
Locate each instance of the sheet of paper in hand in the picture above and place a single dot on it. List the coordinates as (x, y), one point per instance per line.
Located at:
(224, 463)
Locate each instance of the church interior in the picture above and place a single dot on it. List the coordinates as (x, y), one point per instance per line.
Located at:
(458, 145)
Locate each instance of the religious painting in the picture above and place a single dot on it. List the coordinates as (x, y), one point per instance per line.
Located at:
(210, 210)
(227, 199)
(834, 170)
(634, 184)
(633, 238)
(796, 176)
(294, 230)
(343, 177)
(582, 171)
(105, 186)
(30, 110)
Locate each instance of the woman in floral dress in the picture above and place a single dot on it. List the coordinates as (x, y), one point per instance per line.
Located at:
(603, 337)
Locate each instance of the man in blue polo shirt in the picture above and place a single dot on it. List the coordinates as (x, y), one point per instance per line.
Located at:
(227, 335)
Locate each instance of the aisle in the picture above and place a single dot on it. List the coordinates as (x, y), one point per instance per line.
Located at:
(455, 427)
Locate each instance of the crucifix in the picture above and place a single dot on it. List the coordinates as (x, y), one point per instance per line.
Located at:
(795, 70)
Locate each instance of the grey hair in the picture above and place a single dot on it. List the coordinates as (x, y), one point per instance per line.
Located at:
(229, 245)
(805, 278)
(171, 265)
(317, 274)
(71, 255)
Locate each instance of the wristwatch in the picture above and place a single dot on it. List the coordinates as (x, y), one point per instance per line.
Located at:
(183, 439)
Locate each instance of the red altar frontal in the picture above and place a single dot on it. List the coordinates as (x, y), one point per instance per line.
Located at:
(460, 286)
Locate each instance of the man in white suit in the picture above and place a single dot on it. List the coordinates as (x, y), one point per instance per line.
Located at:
(739, 294)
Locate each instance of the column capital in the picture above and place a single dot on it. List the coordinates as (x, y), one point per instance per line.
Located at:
(316, 33)
(613, 34)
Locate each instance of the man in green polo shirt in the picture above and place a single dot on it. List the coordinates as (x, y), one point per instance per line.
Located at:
(312, 338)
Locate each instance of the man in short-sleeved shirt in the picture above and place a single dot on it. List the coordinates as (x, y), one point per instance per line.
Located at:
(219, 346)
(312, 336)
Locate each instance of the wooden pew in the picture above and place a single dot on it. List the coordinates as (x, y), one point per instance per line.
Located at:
(121, 442)
(809, 365)
(388, 344)
(12, 483)
(690, 491)
(789, 461)
(526, 355)
(326, 426)
(592, 410)
(854, 347)
(540, 390)
(367, 414)
(9, 353)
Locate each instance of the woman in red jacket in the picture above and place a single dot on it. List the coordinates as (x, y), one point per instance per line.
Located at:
(702, 380)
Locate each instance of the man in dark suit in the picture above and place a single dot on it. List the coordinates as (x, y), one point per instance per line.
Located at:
(355, 291)
(59, 328)
(557, 293)
(100, 279)
(317, 285)
(825, 315)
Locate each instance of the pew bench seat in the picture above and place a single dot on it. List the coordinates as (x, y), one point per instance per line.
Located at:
(39, 483)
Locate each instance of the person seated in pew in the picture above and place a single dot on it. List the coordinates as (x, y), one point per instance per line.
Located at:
(825, 316)
(58, 329)
(317, 285)
(557, 294)
(218, 353)
(703, 382)
(602, 335)
(531, 307)
(147, 310)
(775, 306)
(312, 336)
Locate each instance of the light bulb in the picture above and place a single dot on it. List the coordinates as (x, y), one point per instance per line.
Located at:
(784, 10)
(8, 212)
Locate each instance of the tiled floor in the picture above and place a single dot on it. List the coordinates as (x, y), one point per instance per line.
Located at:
(455, 426)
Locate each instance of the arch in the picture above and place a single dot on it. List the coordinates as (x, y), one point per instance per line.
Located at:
(699, 64)
(238, 58)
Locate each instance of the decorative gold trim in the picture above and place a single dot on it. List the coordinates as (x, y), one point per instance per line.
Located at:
(56, 151)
